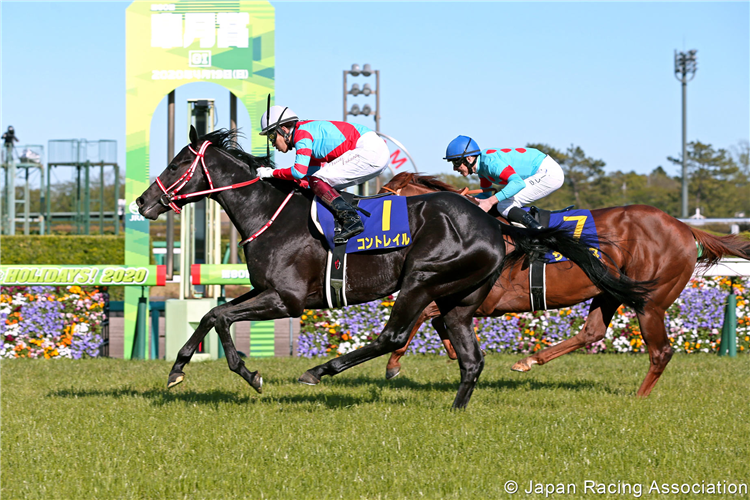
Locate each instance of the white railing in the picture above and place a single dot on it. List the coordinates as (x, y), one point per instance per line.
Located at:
(731, 266)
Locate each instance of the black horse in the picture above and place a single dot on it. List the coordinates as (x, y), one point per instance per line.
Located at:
(455, 257)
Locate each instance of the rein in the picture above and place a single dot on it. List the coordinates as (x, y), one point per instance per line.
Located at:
(168, 199)
(268, 224)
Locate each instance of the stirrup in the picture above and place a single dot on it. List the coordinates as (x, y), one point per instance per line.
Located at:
(346, 234)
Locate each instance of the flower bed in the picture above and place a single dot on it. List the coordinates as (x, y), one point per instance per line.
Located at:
(50, 322)
(693, 324)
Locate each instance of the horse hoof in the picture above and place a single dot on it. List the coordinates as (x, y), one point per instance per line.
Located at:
(523, 366)
(308, 378)
(392, 373)
(174, 379)
(257, 382)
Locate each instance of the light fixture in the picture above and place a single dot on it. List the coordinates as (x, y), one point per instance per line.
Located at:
(366, 110)
(355, 110)
(355, 69)
(367, 70)
(355, 89)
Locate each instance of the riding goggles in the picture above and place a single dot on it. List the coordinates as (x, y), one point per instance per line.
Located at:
(272, 134)
(457, 162)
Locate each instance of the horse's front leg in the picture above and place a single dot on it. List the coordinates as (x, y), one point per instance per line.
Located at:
(256, 305)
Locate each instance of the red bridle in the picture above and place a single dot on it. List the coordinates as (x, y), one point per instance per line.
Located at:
(168, 198)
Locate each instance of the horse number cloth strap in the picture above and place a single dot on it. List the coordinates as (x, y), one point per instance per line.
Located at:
(170, 194)
(268, 224)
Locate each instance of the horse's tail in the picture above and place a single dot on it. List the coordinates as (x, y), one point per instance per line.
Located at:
(713, 248)
(627, 291)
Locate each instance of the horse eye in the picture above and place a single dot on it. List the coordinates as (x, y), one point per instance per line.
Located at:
(172, 166)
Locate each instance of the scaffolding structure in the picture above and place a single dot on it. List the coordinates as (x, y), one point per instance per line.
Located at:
(20, 164)
(83, 155)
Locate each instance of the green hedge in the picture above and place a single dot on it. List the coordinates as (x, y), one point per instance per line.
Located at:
(62, 250)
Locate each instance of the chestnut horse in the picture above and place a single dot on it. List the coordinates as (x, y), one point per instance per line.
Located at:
(644, 243)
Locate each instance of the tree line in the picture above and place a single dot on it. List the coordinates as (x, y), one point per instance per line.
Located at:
(718, 182)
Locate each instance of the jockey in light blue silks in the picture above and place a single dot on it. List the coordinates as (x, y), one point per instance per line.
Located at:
(330, 155)
(525, 175)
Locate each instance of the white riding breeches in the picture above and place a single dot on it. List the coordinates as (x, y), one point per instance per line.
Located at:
(364, 162)
(546, 180)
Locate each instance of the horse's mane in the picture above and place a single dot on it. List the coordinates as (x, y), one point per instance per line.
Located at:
(226, 140)
(429, 181)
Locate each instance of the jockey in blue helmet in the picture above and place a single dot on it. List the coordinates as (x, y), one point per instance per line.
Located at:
(524, 175)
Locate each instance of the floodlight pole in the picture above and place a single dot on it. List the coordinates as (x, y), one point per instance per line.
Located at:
(684, 70)
(365, 71)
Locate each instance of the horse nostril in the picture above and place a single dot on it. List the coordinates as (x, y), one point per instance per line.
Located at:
(139, 201)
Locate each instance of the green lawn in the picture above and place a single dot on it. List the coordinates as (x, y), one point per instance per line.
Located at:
(109, 429)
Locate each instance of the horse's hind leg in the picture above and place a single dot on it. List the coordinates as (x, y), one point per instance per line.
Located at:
(393, 368)
(659, 349)
(602, 308)
(470, 359)
(405, 313)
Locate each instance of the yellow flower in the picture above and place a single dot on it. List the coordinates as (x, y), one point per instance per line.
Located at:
(304, 317)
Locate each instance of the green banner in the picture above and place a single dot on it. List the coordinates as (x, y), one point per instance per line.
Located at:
(219, 274)
(25, 275)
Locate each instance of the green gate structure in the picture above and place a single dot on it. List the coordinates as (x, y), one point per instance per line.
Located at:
(171, 44)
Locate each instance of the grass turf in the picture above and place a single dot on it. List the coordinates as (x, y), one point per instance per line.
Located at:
(109, 428)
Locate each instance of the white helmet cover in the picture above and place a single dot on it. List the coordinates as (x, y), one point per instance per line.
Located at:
(279, 116)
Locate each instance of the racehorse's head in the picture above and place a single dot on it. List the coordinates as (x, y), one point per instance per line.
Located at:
(206, 166)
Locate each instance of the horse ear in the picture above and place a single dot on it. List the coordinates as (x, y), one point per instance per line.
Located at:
(193, 136)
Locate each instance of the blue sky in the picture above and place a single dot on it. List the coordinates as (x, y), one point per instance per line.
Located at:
(599, 75)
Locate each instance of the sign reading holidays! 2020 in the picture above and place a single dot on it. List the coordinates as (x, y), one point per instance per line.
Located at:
(82, 275)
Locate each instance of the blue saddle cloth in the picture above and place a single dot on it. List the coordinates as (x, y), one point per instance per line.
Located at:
(580, 223)
(386, 228)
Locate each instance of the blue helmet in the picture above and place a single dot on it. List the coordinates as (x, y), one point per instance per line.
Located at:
(460, 147)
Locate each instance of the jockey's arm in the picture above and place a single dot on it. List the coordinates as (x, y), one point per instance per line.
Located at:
(486, 186)
(515, 184)
(301, 162)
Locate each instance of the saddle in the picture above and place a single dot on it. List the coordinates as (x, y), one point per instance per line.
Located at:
(386, 227)
(538, 261)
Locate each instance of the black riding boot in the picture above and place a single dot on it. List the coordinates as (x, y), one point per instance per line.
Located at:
(523, 217)
(351, 223)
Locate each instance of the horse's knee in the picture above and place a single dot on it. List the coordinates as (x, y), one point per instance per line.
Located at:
(472, 368)
(208, 321)
(391, 343)
(590, 335)
(660, 357)
(221, 322)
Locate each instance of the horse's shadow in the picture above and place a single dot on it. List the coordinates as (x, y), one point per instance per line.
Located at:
(378, 390)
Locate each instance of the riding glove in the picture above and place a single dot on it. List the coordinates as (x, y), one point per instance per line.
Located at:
(265, 172)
